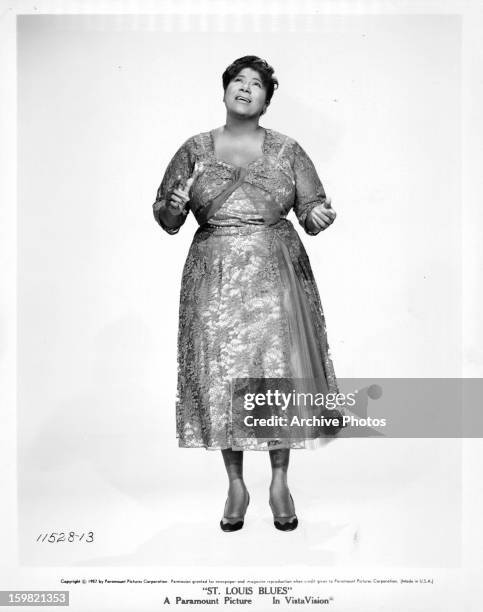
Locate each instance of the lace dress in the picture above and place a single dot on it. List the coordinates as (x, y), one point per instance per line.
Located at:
(249, 304)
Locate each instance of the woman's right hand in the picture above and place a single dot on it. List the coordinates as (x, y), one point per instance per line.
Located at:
(179, 197)
(177, 200)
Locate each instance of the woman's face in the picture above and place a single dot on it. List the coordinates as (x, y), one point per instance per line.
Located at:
(245, 94)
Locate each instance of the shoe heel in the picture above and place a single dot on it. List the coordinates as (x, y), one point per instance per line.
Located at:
(286, 525)
(229, 527)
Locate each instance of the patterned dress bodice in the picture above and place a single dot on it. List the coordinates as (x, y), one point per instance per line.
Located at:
(262, 192)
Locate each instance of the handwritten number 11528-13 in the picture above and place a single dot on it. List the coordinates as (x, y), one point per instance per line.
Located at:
(66, 536)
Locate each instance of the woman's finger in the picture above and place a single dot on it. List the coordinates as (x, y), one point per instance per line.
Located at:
(173, 205)
(180, 192)
(328, 214)
(319, 215)
(321, 223)
(323, 209)
(320, 210)
(180, 198)
(175, 208)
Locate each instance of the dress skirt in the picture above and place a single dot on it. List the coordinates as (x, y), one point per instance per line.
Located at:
(249, 308)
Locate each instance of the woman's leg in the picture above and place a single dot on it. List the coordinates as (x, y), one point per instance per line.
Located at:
(282, 505)
(237, 491)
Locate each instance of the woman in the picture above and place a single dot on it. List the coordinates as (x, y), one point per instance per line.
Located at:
(249, 305)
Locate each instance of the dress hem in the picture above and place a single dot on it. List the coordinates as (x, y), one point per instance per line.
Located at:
(312, 444)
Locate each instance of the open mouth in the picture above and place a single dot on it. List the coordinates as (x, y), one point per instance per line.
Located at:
(242, 99)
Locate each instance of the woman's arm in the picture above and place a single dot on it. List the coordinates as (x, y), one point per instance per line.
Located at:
(178, 171)
(309, 191)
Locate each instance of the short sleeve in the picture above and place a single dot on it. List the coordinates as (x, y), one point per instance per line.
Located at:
(179, 169)
(309, 191)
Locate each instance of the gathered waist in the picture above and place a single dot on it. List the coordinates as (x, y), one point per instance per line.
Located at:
(243, 228)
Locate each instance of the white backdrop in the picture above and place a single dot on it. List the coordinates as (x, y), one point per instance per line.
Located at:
(104, 102)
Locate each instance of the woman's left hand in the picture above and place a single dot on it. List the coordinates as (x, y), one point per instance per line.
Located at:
(322, 215)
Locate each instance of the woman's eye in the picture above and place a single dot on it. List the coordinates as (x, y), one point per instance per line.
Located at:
(257, 83)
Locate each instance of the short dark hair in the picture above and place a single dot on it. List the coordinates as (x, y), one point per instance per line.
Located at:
(266, 71)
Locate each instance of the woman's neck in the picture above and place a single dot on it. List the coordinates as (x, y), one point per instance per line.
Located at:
(235, 126)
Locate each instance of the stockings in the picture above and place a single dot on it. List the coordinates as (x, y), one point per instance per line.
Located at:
(280, 500)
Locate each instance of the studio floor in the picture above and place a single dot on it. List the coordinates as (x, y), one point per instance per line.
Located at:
(392, 503)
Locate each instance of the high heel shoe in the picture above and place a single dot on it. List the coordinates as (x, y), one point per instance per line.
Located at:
(238, 524)
(286, 525)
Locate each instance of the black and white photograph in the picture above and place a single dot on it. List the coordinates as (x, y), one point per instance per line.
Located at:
(241, 345)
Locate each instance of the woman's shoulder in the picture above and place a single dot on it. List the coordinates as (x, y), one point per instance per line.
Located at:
(279, 136)
(283, 145)
(190, 141)
(293, 147)
(193, 146)
(279, 139)
(196, 143)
